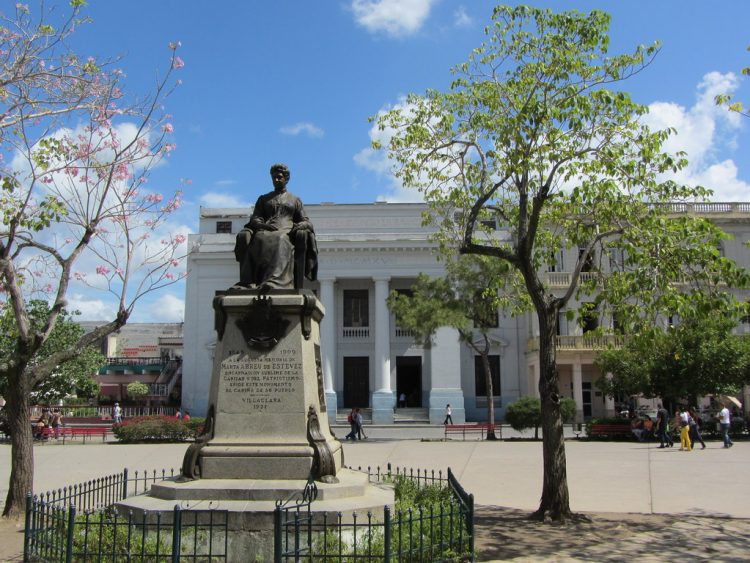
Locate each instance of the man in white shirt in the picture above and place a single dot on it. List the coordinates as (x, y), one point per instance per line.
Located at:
(725, 420)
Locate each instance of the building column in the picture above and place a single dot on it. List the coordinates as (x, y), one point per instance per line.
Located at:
(445, 377)
(578, 390)
(609, 402)
(328, 344)
(382, 399)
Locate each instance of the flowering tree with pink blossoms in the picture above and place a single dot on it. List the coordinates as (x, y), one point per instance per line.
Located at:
(75, 205)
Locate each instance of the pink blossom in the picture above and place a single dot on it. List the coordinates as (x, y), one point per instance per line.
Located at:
(154, 198)
(68, 240)
(169, 275)
(79, 276)
(178, 63)
(118, 271)
(102, 270)
(174, 262)
(179, 239)
(169, 147)
(168, 128)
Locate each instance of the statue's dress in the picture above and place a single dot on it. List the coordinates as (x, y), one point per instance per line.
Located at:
(267, 257)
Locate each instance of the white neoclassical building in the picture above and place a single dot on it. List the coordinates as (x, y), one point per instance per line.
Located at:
(368, 250)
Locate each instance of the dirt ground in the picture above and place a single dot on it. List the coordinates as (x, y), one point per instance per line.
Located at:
(11, 540)
(506, 534)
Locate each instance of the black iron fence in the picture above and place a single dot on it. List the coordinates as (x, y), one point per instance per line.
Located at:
(433, 520)
(82, 523)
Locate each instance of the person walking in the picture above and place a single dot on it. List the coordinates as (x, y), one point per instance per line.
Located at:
(117, 414)
(352, 420)
(685, 443)
(662, 426)
(360, 424)
(695, 427)
(448, 416)
(725, 420)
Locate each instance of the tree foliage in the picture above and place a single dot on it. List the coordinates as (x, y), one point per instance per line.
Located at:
(466, 299)
(729, 101)
(534, 134)
(697, 357)
(137, 390)
(73, 376)
(75, 208)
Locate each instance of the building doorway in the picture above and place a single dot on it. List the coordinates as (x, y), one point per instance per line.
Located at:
(409, 380)
(586, 388)
(357, 381)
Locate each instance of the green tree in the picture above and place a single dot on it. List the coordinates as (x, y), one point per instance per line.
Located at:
(72, 376)
(697, 357)
(75, 209)
(734, 105)
(526, 412)
(464, 299)
(532, 134)
(137, 390)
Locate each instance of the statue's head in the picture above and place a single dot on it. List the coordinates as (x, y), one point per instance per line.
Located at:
(280, 168)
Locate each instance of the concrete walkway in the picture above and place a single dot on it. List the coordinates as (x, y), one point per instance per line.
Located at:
(603, 477)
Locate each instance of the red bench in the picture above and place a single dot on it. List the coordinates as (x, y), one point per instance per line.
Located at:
(611, 431)
(474, 428)
(73, 432)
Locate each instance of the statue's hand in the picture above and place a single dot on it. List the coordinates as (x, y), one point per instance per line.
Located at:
(267, 227)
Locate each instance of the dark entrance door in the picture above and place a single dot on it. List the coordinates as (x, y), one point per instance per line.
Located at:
(586, 385)
(357, 381)
(409, 380)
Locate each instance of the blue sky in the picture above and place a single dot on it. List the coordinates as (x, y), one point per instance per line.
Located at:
(295, 81)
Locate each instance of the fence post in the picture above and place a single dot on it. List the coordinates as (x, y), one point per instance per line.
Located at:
(176, 533)
(27, 527)
(277, 534)
(71, 529)
(124, 483)
(471, 525)
(387, 534)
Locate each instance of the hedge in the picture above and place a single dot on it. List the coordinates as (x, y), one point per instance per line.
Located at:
(157, 429)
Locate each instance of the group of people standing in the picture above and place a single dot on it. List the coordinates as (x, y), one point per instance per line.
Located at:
(688, 422)
(356, 422)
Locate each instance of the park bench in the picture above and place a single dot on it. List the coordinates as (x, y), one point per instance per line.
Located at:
(464, 429)
(74, 432)
(611, 431)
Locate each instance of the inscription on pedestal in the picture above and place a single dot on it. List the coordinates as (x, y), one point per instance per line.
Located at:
(266, 382)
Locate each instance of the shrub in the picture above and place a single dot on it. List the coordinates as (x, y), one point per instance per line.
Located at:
(153, 429)
(526, 412)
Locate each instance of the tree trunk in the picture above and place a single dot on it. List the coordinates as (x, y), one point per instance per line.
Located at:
(490, 394)
(22, 446)
(555, 501)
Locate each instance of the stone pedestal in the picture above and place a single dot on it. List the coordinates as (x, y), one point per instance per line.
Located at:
(267, 432)
(267, 384)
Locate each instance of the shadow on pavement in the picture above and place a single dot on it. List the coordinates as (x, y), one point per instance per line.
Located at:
(504, 534)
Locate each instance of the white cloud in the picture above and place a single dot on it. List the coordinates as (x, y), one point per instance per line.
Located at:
(309, 129)
(393, 17)
(227, 182)
(91, 309)
(462, 18)
(168, 308)
(705, 132)
(217, 199)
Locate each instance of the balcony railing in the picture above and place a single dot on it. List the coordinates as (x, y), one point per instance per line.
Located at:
(358, 332)
(581, 342)
(158, 390)
(562, 279)
(403, 333)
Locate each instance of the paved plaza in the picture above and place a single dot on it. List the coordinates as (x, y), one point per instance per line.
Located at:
(678, 489)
